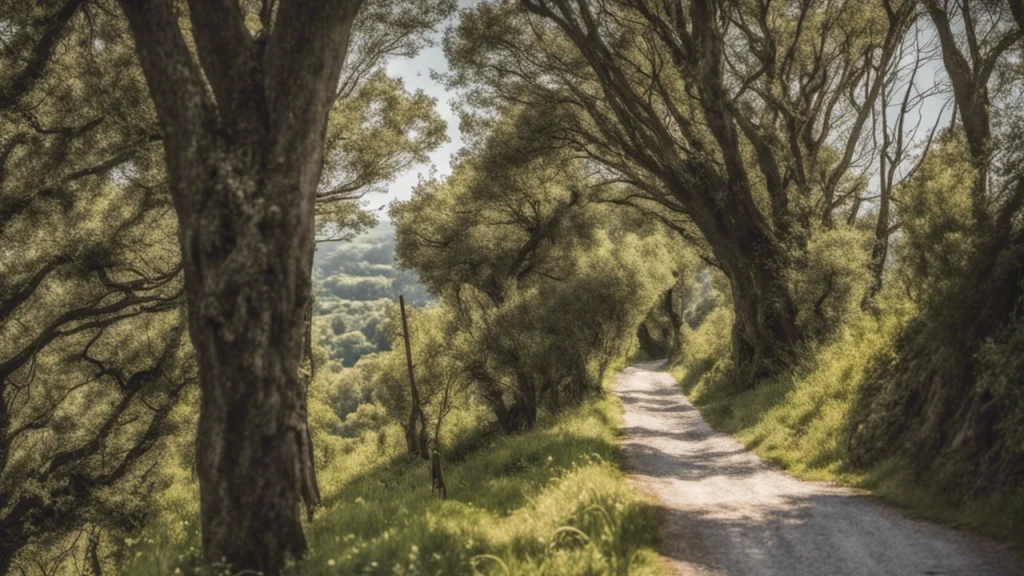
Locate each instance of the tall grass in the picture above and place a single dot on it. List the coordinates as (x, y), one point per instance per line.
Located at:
(800, 419)
(551, 501)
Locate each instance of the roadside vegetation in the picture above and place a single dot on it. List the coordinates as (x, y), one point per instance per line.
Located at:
(550, 501)
(814, 207)
(801, 420)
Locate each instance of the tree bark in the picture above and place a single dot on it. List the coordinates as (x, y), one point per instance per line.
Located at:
(310, 485)
(244, 167)
(880, 247)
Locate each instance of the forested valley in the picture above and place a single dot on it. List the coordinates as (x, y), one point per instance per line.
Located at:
(356, 280)
(217, 357)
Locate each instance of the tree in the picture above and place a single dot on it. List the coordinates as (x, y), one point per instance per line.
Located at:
(546, 285)
(899, 132)
(244, 160)
(970, 79)
(744, 117)
(442, 385)
(92, 355)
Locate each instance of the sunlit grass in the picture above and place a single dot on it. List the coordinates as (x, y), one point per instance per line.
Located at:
(552, 501)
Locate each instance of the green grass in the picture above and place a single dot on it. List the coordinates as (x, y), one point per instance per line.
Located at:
(551, 501)
(799, 421)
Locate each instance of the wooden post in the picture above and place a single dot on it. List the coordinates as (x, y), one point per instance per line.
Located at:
(417, 411)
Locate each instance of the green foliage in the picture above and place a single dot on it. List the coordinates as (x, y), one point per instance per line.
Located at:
(937, 222)
(357, 280)
(378, 132)
(546, 283)
(441, 377)
(1001, 374)
(831, 285)
(573, 330)
(551, 501)
(376, 128)
(95, 365)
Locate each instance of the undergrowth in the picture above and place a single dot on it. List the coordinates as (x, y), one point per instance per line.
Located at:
(799, 420)
(551, 501)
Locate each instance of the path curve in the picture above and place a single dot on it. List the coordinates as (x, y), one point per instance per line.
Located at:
(725, 511)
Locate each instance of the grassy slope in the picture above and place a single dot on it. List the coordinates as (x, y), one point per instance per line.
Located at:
(799, 421)
(517, 505)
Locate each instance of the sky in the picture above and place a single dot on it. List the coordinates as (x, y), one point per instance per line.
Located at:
(415, 72)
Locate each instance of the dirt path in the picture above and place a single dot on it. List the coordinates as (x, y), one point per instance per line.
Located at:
(725, 511)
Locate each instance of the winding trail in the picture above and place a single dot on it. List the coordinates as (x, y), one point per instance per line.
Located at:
(725, 511)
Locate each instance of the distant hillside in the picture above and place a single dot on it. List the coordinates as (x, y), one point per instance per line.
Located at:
(354, 282)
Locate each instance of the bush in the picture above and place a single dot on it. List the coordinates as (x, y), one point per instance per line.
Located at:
(830, 287)
(1001, 374)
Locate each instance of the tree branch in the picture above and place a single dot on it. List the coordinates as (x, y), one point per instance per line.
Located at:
(40, 56)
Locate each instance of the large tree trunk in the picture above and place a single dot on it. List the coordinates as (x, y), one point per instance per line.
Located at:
(247, 274)
(765, 333)
(753, 256)
(244, 166)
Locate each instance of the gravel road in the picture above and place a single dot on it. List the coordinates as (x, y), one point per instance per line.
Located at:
(725, 511)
